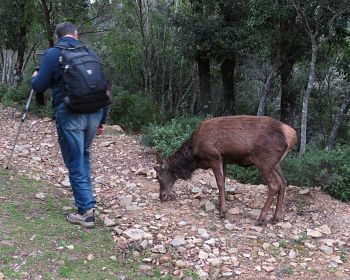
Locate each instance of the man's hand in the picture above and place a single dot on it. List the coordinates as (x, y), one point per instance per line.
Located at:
(100, 129)
(35, 74)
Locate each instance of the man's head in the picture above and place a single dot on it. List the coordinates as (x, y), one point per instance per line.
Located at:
(66, 29)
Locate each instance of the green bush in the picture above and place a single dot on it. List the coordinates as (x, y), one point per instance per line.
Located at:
(168, 137)
(17, 96)
(328, 170)
(132, 111)
(245, 175)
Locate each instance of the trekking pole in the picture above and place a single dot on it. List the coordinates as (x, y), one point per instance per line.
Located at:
(19, 128)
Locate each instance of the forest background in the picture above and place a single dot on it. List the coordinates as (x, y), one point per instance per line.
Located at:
(173, 63)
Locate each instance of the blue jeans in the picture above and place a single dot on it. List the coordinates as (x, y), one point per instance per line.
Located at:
(75, 135)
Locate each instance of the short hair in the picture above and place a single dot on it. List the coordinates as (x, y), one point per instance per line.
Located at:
(64, 29)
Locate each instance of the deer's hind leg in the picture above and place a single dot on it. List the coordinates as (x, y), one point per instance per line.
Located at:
(280, 196)
(274, 187)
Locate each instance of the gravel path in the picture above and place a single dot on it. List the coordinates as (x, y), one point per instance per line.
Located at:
(313, 241)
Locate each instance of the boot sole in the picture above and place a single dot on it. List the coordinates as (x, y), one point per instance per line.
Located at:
(85, 224)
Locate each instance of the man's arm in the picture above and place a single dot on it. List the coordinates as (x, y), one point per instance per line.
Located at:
(101, 128)
(41, 80)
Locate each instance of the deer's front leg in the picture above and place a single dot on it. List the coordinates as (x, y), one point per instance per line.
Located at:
(220, 180)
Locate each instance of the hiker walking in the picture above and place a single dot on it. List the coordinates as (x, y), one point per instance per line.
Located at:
(79, 99)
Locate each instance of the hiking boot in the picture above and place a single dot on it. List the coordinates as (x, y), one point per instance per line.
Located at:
(86, 220)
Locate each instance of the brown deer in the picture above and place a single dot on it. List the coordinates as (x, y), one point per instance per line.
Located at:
(241, 140)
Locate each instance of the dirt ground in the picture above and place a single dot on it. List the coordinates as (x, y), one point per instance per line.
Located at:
(186, 234)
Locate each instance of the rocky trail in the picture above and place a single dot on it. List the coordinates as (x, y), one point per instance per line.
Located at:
(186, 234)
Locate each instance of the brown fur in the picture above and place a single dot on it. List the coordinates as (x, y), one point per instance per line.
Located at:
(242, 140)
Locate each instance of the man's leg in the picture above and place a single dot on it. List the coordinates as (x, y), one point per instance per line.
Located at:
(71, 133)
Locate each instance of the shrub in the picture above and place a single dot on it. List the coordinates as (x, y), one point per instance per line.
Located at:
(132, 111)
(17, 96)
(329, 170)
(168, 137)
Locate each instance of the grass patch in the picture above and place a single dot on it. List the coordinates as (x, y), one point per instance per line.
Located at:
(35, 238)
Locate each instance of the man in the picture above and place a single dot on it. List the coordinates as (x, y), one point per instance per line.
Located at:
(76, 131)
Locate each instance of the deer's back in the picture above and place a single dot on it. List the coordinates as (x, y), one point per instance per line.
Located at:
(238, 136)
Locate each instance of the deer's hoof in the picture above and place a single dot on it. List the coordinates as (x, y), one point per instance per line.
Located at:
(222, 215)
(259, 223)
(275, 220)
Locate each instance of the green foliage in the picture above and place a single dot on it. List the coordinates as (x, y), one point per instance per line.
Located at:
(301, 238)
(17, 96)
(132, 111)
(329, 170)
(168, 137)
(245, 175)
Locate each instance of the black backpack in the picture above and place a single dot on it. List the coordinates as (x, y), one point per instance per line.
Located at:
(83, 84)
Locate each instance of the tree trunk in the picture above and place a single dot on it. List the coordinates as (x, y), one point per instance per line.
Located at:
(338, 120)
(22, 46)
(227, 74)
(288, 98)
(144, 9)
(267, 88)
(49, 30)
(204, 84)
(306, 95)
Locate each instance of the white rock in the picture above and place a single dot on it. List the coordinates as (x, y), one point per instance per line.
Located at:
(208, 206)
(40, 195)
(145, 267)
(109, 222)
(229, 226)
(324, 229)
(313, 233)
(90, 257)
(196, 190)
(286, 225)
(134, 234)
(292, 254)
(203, 275)
(210, 242)
(178, 240)
(202, 255)
(216, 262)
(327, 250)
(159, 249)
(180, 264)
(310, 246)
(132, 207)
(154, 196)
(234, 211)
(268, 268)
(337, 260)
(125, 200)
(65, 182)
(266, 246)
(230, 189)
(304, 191)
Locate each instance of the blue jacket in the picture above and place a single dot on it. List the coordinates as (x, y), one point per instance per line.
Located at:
(49, 74)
